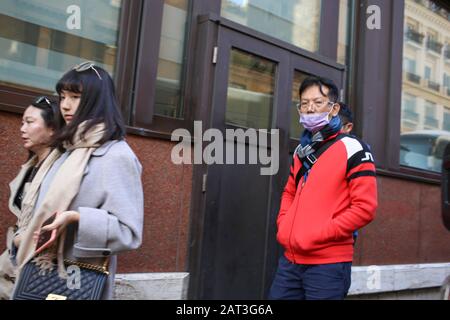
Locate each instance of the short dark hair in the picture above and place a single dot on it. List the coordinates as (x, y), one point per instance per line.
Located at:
(49, 112)
(333, 92)
(345, 113)
(98, 104)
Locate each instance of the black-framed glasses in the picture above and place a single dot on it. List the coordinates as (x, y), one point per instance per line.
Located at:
(84, 66)
(41, 99)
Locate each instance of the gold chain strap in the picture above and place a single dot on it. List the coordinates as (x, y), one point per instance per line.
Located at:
(88, 266)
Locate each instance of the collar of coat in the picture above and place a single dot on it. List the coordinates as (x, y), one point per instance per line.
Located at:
(104, 148)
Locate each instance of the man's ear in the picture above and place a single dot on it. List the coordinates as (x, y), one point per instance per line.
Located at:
(350, 127)
(335, 111)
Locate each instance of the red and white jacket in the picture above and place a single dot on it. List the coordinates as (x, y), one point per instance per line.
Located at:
(317, 219)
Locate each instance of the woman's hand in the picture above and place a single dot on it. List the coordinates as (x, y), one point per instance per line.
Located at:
(61, 222)
(17, 240)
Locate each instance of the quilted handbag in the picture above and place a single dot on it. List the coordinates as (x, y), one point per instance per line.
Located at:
(35, 286)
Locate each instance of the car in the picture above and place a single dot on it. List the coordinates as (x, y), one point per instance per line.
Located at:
(423, 149)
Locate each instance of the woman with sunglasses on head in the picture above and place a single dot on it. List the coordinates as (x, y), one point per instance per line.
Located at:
(94, 187)
(40, 121)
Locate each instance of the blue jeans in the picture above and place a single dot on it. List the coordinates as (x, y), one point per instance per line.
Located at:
(310, 282)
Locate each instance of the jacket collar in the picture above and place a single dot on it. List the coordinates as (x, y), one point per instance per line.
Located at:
(104, 148)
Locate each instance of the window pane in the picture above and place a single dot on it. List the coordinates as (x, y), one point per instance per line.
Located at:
(345, 40)
(37, 46)
(293, 21)
(345, 27)
(425, 122)
(296, 128)
(251, 86)
(168, 100)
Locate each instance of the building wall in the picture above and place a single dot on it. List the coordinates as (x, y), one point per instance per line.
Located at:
(408, 228)
(167, 196)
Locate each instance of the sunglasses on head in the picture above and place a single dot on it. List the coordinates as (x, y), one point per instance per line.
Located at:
(41, 99)
(86, 66)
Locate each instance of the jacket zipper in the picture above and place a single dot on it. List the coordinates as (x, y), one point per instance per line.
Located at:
(293, 220)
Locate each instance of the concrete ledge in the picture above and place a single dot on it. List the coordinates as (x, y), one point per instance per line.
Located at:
(416, 294)
(398, 280)
(392, 278)
(151, 286)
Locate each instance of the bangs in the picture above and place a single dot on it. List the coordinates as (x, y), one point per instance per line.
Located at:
(69, 82)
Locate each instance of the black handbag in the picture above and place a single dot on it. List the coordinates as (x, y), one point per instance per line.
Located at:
(33, 285)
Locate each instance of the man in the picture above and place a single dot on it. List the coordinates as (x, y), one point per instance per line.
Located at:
(346, 118)
(330, 193)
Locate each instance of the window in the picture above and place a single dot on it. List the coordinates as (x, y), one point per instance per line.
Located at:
(425, 120)
(345, 31)
(293, 21)
(251, 88)
(433, 45)
(410, 65)
(446, 84)
(427, 73)
(168, 100)
(446, 81)
(412, 34)
(446, 125)
(409, 115)
(296, 129)
(37, 47)
(431, 121)
(346, 34)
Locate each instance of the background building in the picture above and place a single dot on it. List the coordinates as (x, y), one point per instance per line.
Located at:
(210, 230)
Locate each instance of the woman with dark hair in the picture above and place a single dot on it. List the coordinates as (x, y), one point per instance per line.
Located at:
(94, 187)
(40, 121)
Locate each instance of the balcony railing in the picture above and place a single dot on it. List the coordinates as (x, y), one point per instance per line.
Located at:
(434, 86)
(411, 116)
(447, 54)
(413, 77)
(414, 36)
(435, 46)
(431, 122)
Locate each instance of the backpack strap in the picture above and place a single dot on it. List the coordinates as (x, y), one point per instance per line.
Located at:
(309, 161)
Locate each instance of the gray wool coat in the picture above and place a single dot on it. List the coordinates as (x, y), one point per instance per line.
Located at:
(111, 206)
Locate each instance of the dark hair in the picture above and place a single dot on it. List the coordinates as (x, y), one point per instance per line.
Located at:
(345, 113)
(49, 112)
(98, 104)
(333, 92)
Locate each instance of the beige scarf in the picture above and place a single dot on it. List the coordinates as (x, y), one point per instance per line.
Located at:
(62, 191)
(8, 272)
(32, 190)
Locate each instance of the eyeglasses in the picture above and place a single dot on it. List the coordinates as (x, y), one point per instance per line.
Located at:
(43, 99)
(86, 66)
(316, 105)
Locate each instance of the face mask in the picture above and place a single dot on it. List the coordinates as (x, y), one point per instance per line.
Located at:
(315, 122)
